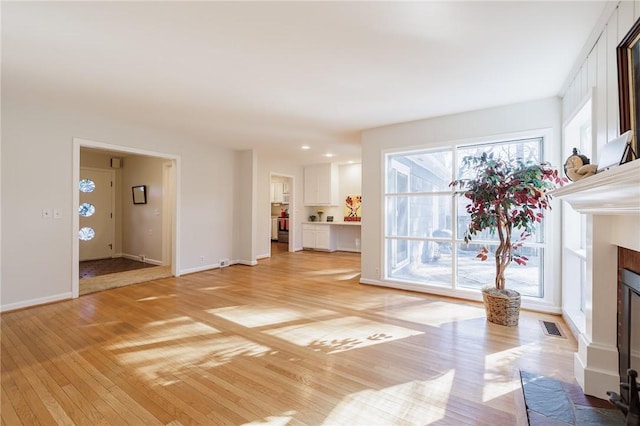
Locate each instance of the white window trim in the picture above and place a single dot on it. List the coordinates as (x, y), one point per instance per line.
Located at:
(552, 285)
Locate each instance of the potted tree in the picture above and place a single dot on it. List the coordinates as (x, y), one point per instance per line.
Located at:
(504, 196)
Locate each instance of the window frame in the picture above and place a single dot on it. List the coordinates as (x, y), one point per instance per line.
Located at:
(551, 284)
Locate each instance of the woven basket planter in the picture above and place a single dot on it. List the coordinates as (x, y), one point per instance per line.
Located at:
(502, 306)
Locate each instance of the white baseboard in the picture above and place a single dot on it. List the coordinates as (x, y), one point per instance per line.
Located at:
(198, 269)
(35, 302)
(245, 262)
(470, 294)
(146, 260)
(263, 256)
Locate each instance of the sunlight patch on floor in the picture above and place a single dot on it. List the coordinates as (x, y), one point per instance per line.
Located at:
(158, 332)
(160, 346)
(323, 272)
(437, 313)
(158, 363)
(419, 402)
(389, 301)
(280, 420)
(341, 334)
(499, 377)
(347, 277)
(262, 315)
(151, 298)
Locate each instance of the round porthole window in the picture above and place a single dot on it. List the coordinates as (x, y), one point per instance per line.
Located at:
(87, 185)
(86, 233)
(86, 209)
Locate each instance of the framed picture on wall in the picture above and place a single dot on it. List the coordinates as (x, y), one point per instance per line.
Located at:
(139, 194)
(629, 85)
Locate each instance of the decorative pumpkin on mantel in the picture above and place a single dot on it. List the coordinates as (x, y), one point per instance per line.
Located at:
(578, 166)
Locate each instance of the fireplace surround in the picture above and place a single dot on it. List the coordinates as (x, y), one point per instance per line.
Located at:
(611, 202)
(628, 313)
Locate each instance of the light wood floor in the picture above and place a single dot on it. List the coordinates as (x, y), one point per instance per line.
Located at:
(121, 279)
(295, 340)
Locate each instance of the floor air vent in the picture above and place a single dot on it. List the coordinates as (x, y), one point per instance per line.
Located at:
(551, 329)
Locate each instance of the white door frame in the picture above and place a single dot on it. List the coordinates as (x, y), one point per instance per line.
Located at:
(292, 216)
(174, 213)
(168, 203)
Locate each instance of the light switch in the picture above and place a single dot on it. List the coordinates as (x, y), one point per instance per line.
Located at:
(46, 213)
(57, 213)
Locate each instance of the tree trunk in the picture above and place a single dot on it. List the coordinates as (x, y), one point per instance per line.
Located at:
(503, 252)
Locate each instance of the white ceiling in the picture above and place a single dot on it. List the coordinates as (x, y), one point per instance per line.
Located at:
(278, 75)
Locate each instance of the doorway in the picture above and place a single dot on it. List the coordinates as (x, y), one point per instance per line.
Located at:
(282, 220)
(142, 235)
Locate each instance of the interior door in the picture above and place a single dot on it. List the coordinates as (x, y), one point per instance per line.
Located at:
(96, 214)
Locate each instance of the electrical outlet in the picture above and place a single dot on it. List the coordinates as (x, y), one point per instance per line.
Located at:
(142, 257)
(378, 272)
(201, 259)
(46, 213)
(57, 213)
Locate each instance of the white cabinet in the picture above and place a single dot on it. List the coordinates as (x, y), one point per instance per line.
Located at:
(318, 237)
(321, 185)
(277, 192)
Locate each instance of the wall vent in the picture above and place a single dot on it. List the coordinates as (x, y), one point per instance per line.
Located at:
(551, 329)
(223, 263)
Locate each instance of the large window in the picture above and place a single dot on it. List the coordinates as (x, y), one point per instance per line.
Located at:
(578, 134)
(425, 222)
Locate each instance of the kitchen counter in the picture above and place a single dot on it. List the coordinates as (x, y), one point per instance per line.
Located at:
(331, 236)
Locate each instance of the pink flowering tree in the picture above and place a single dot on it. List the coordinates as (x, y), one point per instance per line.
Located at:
(505, 195)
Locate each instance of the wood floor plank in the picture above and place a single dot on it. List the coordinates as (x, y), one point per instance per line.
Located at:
(9, 415)
(294, 340)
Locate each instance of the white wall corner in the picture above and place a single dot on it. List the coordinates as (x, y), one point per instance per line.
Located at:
(245, 262)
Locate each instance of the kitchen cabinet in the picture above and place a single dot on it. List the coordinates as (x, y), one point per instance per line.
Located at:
(321, 185)
(318, 237)
(277, 192)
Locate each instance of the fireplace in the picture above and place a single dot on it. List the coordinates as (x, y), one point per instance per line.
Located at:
(628, 314)
(611, 202)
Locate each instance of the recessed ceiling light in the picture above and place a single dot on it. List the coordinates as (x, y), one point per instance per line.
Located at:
(305, 147)
(328, 155)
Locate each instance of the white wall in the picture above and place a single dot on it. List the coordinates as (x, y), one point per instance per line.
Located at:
(37, 173)
(142, 223)
(244, 245)
(600, 71)
(471, 126)
(596, 363)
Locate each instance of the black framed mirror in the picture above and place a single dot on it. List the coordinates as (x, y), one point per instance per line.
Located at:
(139, 194)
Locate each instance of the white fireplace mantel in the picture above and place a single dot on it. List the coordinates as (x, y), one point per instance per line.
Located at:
(613, 192)
(611, 200)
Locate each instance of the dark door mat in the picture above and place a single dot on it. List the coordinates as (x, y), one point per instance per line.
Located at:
(551, 402)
